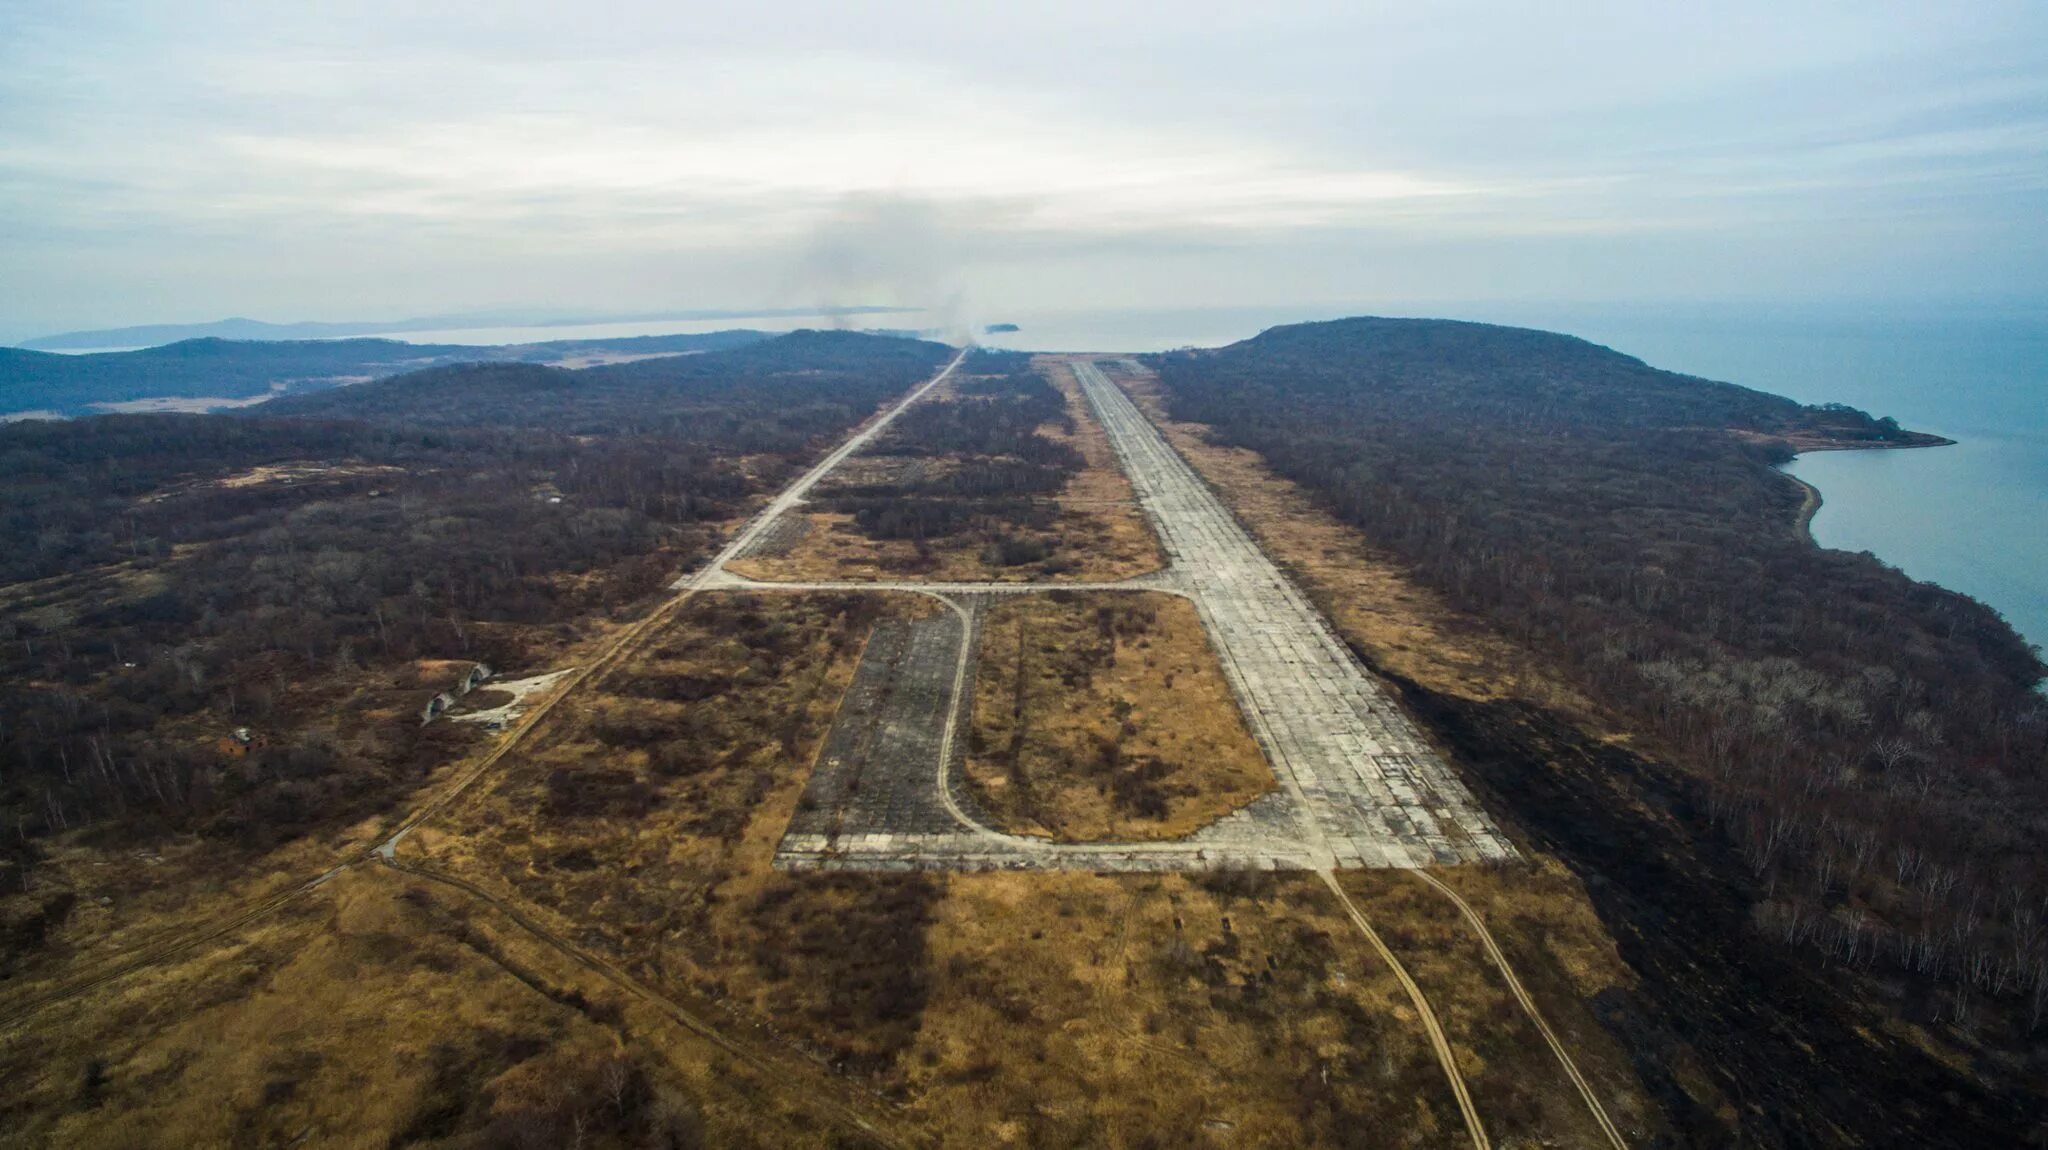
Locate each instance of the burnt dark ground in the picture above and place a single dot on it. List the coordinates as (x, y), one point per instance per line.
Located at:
(1772, 1027)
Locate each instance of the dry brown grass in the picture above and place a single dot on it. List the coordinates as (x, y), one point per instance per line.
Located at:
(1093, 544)
(1564, 958)
(1017, 1009)
(297, 472)
(1406, 628)
(267, 1037)
(1124, 727)
(129, 897)
(1538, 911)
(1171, 1010)
(1102, 491)
(1037, 1009)
(381, 1012)
(1098, 533)
(640, 825)
(644, 818)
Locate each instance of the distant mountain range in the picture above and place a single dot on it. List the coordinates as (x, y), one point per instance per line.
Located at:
(210, 374)
(239, 328)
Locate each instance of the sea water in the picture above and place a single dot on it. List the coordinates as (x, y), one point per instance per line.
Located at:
(1972, 517)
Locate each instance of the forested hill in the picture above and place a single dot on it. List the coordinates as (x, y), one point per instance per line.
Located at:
(225, 369)
(167, 578)
(1850, 768)
(194, 368)
(706, 397)
(1450, 373)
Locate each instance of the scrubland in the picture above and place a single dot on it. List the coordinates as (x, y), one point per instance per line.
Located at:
(591, 945)
(1001, 474)
(1103, 717)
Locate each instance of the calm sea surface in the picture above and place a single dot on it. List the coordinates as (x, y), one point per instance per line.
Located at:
(1973, 517)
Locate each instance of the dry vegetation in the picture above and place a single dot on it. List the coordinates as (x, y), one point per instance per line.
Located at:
(339, 749)
(638, 824)
(1564, 958)
(170, 581)
(1405, 628)
(1538, 911)
(1030, 1010)
(1106, 717)
(1859, 759)
(1098, 500)
(1088, 530)
(1231, 1009)
(644, 815)
(386, 1011)
(1729, 1039)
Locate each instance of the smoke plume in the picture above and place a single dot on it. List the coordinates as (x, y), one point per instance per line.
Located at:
(886, 249)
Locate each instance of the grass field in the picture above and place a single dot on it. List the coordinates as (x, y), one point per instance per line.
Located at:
(636, 827)
(1106, 717)
(385, 1012)
(1090, 531)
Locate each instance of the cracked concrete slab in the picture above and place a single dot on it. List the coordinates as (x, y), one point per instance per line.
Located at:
(1367, 782)
(875, 778)
(778, 539)
(1360, 786)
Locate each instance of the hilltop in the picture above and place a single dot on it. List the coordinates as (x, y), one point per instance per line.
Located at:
(243, 328)
(212, 373)
(836, 738)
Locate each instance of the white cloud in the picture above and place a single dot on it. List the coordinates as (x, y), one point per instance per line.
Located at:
(759, 141)
(374, 150)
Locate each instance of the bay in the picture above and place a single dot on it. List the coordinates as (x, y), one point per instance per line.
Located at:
(1972, 517)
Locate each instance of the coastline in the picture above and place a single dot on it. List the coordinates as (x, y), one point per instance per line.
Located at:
(1919, 439)
(2016, 598)
(1809, 507)
(1810, 503)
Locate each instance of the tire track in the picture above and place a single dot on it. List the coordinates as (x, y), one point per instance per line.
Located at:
(1500, 960)
(162, 952)
(605, 969)
(628, 641)
(1438, 1041)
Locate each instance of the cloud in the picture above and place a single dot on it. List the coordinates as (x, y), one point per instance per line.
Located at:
(756, 144)
(378, 149)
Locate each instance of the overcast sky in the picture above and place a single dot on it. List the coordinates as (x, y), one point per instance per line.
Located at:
(344, 161)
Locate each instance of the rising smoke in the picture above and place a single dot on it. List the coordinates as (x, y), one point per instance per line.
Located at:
(886, 249)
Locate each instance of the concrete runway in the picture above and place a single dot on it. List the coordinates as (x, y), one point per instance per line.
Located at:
(1369, 789)
(1359, 785)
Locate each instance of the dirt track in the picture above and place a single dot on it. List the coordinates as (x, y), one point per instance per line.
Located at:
(1360, 786)
(1231, 578)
